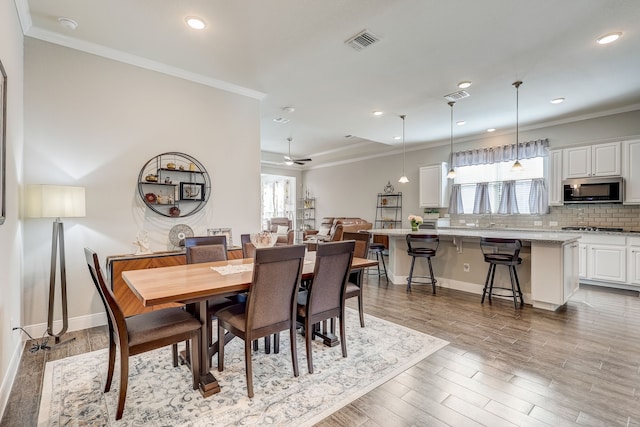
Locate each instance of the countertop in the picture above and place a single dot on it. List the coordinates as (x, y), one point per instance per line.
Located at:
(527, 235)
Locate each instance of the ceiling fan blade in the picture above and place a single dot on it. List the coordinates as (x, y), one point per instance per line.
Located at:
(298, 163)
(301, 160)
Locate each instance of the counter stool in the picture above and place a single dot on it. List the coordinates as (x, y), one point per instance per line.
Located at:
(422, 246)
(502, 252)
(378, 250)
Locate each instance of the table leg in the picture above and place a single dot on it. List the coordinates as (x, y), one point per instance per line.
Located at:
(208, 383)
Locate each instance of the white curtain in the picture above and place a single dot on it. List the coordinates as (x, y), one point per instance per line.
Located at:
(538, 197)
(508, 201)
(481, 203)
(455, 200)
(502, 153)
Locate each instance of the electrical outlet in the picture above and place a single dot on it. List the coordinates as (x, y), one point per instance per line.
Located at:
(553, 223)
(538, 223)
(466, 268)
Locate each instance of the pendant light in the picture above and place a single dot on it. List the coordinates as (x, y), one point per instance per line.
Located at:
(517, 167)
(403, 179)
(452, 173)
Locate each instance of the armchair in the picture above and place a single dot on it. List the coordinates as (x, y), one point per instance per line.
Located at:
(277, 225)
(332, 228)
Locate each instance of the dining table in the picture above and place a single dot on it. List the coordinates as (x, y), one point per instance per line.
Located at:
(194, 284)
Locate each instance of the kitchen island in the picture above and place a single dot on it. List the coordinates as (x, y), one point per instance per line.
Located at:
(548, 274)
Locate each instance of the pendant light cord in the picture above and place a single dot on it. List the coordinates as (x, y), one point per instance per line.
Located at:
(451, 104)
(517, 85)
(404, 152)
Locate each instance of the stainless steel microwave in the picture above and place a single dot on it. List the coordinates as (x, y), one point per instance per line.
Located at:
(593, 190)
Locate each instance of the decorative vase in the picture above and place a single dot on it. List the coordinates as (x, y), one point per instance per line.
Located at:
(414, 226)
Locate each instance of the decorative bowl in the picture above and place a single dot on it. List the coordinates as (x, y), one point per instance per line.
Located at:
(263, 239)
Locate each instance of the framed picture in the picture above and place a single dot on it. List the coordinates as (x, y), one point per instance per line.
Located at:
(221, 232)
(189, 191)
(3, 141)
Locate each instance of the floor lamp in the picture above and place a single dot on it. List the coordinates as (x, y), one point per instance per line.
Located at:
(56, 201)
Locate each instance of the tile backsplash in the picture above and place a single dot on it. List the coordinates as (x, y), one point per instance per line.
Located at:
(586, 215)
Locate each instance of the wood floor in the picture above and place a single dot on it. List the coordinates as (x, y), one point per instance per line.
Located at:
(577, 366)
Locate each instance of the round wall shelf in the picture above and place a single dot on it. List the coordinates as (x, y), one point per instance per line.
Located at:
(174, 185)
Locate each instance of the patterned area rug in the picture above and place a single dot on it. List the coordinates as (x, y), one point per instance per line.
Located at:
(161, 395)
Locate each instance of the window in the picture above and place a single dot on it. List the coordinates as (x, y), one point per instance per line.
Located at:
(495, 174)
(278, 197)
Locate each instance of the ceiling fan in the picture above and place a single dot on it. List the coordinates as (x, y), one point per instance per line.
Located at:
(288, 160)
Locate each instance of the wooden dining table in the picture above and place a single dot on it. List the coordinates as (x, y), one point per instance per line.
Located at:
(193, 284)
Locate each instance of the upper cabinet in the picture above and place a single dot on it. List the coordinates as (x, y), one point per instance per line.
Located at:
(631, 175)
(434, 188)
(591, 160)
(555, 178)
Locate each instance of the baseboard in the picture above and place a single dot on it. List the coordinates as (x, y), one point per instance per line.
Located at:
(75, 324)
(7, 381)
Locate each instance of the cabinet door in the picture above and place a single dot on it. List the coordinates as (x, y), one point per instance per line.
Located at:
(555, 178)
(576, 162)
(570, 269)
(433, 186)
(582, 261)
(605, 159)
(634, 265)
(607, 263)
(631, 150)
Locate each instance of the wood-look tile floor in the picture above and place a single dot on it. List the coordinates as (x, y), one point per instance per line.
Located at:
(579, 365)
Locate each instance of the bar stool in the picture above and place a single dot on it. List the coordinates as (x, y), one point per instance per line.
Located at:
(378, 250)
(502, 252)
(422, 246)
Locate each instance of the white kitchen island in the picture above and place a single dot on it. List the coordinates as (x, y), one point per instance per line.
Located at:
(548, 274)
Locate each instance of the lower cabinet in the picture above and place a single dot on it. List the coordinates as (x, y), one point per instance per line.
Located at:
(570, 265)
(603, 258)
(633, 266)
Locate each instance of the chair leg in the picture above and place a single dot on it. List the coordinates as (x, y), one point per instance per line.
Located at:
(493, 276)
(515, 273)
(174, 354)
(413, 261)
(433, 279)
(276, 342)
(112, 362)
(267, 344)
(220, 347)
(294, 349)
(343, 337)
(255, 345)
(384, 267)
(124, 381)
(248, 367)
(195, 360)
(361, 309)
(307, 340)
(486, 284)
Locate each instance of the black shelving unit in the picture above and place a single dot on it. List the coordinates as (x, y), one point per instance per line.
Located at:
(388, 210)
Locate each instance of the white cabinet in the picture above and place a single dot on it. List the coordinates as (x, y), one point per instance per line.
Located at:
(633, 251)
(603, 258)
(434, 188)
(554, 273)
(631, 175)
(555, 178)
(570, 267)
(591, 160)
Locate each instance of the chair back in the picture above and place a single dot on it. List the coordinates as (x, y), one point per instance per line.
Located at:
(206, 249)
(326, 291)
(115, 316)
(248, 248)
(273, 294)
(361, 249)
(500, 249)
(422, 243)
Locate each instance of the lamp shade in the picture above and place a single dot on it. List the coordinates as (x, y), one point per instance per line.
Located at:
(54, 201)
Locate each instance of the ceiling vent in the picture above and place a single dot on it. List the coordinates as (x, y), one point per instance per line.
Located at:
(363, 39)
(455, 96)
(281, 120)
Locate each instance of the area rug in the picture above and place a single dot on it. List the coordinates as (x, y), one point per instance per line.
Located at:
(161, 395)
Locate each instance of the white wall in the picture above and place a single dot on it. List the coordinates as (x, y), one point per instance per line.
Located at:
(11, 53)
(94, 122)
(350, 189)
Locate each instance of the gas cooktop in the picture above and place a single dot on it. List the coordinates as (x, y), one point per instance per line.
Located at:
(605, 229)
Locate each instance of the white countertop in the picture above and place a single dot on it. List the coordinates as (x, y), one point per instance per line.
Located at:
(527, 235)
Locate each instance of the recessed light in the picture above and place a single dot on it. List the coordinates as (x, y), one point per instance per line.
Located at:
(281, 120)
(608, 38)
(461, 122)
(69, 24)
(557, 100)
(491, 130)
(397, 138)
(377, 113)
(195, 22)
(464, 85)
(289, 109)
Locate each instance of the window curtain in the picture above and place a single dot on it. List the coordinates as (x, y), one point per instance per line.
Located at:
(455, 200)
(508, 201)
(502, 153)
(538, 197)
(481, 203)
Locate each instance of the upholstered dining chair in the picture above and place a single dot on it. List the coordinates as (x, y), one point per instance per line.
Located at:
(354, 284)
(324, 299)
(270, 307)
(248, 248)
(141, 332)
